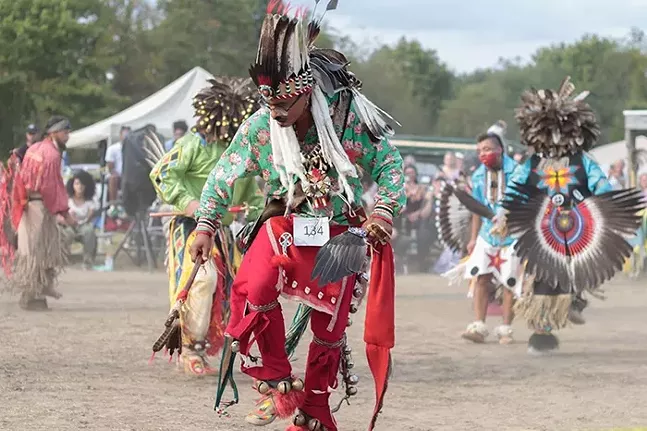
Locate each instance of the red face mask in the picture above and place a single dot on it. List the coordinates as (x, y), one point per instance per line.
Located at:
(490, 160)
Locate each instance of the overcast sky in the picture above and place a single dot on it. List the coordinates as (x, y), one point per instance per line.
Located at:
(469, 34)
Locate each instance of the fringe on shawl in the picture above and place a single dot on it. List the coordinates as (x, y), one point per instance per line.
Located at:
(37, 267)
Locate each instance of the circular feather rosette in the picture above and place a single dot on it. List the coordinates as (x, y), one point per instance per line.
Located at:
(580, 246)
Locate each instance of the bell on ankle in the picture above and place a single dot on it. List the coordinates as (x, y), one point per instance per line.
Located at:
(352, 379)
(297, 384)
(284, 387)
(235, 346)
(314, 425)
(350, 322)
(353, 308)
(300, 420)
(351, 391)
(262, 387)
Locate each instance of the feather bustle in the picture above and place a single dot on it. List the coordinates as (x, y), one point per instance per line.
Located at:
(614, 213)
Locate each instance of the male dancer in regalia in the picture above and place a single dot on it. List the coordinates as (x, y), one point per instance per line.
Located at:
(179, 177)
(570, 227)
(35, 205)
(317, 126)
(492, 261)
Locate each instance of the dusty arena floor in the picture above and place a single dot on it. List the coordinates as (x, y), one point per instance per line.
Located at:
(83, 365)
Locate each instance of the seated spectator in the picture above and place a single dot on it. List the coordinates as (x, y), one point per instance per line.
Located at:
(414, 223)
(81, 189)
(31, 137)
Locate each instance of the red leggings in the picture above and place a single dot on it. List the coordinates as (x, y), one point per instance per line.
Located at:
(255, 310)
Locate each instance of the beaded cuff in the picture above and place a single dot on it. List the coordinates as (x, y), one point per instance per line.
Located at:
(383, 212)
(206, 226)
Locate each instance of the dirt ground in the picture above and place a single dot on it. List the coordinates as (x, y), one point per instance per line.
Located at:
(83, 366)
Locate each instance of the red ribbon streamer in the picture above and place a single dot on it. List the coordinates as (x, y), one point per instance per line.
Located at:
(379, 325)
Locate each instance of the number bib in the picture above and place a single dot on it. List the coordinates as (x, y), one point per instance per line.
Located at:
(311, 232)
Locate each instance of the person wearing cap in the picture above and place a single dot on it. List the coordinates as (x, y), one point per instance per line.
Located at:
(30, 134)
(30, 138)
(40, 201)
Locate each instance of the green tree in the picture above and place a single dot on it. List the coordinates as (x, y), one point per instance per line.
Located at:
(476, 107)
(407, 81)
(49, 49)
(218, 35)
(606, 68)
(135, 71)
(613, 71)
(430, 78)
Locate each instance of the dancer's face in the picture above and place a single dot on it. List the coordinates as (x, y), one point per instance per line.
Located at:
(286, 112)
(489, 153)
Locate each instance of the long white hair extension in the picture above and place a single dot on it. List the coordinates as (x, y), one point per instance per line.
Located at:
(287, 156)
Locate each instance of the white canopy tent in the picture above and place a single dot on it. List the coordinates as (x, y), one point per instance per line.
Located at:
(171, 103)
(609, 153)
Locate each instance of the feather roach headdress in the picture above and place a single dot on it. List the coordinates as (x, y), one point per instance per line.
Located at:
(555, 124)
(224, 106)
(289, 65)
(498, 130)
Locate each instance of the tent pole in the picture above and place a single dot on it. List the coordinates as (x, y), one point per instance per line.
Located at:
(630, 142)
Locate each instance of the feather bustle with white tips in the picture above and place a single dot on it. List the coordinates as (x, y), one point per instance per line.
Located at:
(581, 261)
(373, 116)
(153, 148)
(454, 209)
(223, 106)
